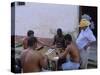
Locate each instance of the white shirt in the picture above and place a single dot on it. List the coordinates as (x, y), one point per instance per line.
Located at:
(85, 37)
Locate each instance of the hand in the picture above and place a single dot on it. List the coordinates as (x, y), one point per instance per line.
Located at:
(57, 53)
(86, 47)
(53, 47)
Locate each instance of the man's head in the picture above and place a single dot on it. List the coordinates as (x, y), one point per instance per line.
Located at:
(84, 23)
(59, 32)
(32, 42)
(30, 33)
(68, 38)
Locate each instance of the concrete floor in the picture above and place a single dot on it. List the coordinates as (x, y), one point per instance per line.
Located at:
(92, 58)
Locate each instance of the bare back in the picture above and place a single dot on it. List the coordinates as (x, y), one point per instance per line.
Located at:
(74, 53)
(31, 61)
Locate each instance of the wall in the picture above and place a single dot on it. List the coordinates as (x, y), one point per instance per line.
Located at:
(44, 19)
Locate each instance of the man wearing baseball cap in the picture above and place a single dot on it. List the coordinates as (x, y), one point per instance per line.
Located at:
(85, 38)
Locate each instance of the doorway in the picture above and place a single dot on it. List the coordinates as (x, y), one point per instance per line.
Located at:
(92, 11)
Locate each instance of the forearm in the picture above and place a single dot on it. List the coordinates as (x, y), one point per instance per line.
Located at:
(62, 55)
(45, 62)
(40, 42)
(88, 44)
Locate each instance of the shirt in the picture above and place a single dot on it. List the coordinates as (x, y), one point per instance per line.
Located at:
(85, 37)
(59, 41)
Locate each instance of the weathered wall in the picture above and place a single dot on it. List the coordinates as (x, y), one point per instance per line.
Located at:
(44, 19)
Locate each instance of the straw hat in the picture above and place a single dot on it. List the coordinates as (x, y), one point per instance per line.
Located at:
(84, 22)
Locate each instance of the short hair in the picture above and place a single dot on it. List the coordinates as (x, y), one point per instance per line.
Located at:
(68, 37)
(31, 41)
(59, 30)
(30, 32)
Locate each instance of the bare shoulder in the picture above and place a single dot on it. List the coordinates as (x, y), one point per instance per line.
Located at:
(25, 39)
(74, 47)
(23, 52)
(69, 46)
(40, 54)
(73, 44)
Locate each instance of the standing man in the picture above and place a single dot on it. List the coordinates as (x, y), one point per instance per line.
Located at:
(85, 38)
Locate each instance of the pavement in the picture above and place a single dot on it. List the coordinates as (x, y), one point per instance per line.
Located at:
(92, 58)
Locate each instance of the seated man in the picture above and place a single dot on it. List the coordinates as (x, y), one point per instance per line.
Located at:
(30, 33)
(25, 41)
(31, 59)
(73, 61)
(59, 41)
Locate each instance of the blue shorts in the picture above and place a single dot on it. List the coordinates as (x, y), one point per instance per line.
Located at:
(69, 65)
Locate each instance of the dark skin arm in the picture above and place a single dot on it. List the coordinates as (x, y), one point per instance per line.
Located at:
(22, 58)
(53, 44)
(42, 43)
(64, 54)
(43, 61)
(54, 40)
(25, 43)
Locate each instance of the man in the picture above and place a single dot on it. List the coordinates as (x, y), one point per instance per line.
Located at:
(30, 33)
(25, 41)
(89, 18)
(71, 54)
(85, 38)
(31, 59)
(59, 41)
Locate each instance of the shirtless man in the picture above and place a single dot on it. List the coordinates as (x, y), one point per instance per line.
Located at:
(31, 59)
(30, 33)
(25, 41)
(72, 62)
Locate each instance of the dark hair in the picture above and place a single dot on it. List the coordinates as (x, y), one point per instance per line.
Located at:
(59, 31)
(30, 32)
(68, 37)
(31, 41)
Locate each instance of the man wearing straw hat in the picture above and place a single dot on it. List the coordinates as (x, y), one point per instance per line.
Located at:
(85, 38)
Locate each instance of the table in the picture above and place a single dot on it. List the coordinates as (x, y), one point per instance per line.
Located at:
(52, 56)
